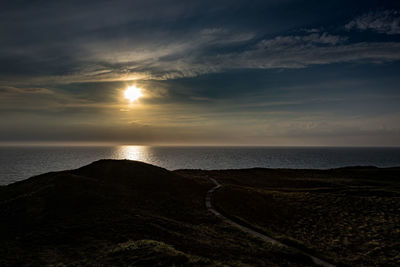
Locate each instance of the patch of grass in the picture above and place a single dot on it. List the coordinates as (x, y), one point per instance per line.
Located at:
(150, 253)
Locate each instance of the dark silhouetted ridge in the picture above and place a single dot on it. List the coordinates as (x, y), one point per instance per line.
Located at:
(92, 193)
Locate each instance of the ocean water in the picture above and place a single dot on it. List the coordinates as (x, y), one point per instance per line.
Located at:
(19, 163)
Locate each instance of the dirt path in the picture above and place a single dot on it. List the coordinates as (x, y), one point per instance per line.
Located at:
(210, 207)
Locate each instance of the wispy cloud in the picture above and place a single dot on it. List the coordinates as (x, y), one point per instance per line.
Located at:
(311, 39)
(117, 42)
(171, 59)
(286, 52)
(387, 21)
(278, 55)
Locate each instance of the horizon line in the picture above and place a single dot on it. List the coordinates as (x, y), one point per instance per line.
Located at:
(112, 144)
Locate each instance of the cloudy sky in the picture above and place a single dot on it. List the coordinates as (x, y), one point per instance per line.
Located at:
(272, 72)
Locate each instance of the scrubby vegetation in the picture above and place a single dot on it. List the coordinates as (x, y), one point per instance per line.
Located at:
(349, 215)
(122, 213)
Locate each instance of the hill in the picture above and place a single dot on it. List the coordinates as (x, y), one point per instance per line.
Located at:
(128, 213)
(119, 213)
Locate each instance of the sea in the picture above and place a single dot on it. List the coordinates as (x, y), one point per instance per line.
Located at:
(18, 163)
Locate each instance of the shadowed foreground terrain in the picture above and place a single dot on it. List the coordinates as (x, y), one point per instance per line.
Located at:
(120, 212)
(348, 215)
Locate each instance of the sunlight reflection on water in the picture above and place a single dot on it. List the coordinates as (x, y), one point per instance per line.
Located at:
(18, 163)
(139, 153)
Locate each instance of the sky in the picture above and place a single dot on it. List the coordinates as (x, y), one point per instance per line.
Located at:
(273, 73)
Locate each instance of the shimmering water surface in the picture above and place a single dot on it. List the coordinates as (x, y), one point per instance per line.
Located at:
(18, 163)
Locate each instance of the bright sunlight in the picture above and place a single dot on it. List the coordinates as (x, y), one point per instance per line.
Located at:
(132, 93)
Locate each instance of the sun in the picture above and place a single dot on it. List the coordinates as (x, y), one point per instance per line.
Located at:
(132, 93)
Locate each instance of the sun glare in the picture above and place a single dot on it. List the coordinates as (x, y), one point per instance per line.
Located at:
(133, 93)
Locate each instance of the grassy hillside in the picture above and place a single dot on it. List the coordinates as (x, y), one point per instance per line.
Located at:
(350, 215)
(119, 213)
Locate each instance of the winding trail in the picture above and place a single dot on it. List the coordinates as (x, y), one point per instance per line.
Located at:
(210, 207)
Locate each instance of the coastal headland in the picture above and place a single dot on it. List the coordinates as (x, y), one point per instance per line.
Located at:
(121, 212)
